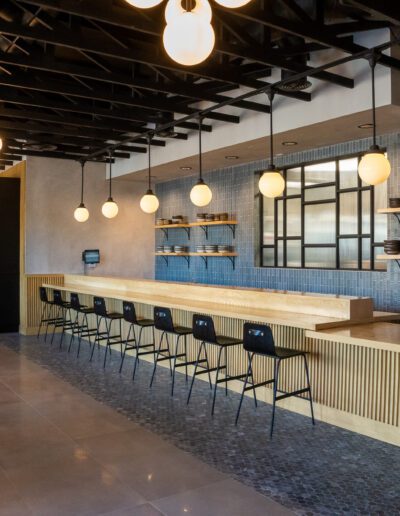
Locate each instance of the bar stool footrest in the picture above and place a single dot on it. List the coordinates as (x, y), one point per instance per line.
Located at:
(294, 393)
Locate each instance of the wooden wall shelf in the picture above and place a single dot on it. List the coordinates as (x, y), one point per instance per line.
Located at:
(395, 257)
(204, 256)
(203, 225)
(391, 211)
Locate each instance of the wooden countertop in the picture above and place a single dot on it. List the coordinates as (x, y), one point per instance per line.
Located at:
(288, 318)
(383, 335)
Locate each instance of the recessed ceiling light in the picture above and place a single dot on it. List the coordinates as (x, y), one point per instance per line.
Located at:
(366, 126)
(289, 144)
(185, 168)
(231, 157)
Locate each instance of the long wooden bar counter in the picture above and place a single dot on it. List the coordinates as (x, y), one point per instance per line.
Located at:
(355, 378)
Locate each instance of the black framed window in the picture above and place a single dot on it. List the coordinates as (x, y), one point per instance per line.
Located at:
(325, 219)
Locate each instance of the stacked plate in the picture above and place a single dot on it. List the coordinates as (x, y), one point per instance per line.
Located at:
(210, 217)
(161, 222)
(177, 219)
(160, 249)
(391, 246)
(223, 216)
(224, 249)
(201, 217)
(200, 248)
(394, 202)
(211, 248)
(181, 249)
(168, 249)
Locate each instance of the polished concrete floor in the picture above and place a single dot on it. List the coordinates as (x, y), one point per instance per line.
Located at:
(123, 443)
(64, 453)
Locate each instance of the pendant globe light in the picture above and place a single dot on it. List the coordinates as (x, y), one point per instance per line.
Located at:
(1, 143)
(200, 195)
(144, 4)
(188, 37)
(374, 167)
(149, 203)
(110, 207)
(81, 213)
(271, 183)
(233, 4)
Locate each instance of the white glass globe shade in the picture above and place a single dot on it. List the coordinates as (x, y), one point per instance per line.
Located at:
(174, 9)
(200, 194)
(144, 4)
(149, 202)
(374, 168)
(1, 143)
(81, 214)
(189, 40)
(110, 209)
(233, 4)
(271, 184)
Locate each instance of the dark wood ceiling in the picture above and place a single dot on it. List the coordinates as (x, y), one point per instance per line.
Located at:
(76, 75)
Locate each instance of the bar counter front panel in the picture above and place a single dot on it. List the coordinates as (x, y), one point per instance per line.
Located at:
(355, 382)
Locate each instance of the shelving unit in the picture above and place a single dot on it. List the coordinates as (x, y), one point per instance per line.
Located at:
(204, 256)
(395, 257)
(391, 211)
(203, 225)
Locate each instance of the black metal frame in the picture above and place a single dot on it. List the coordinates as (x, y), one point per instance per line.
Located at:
(338, 191)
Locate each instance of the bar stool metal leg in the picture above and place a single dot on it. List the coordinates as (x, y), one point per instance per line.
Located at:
(156, 358)
(216, 378)
(195, 371)
(309, 388)
(174, 363)
(249, 372)
(276, 380)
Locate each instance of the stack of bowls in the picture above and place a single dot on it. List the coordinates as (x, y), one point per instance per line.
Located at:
(160, 222)
(391, 246)
(168, 249)
(223, 216)
(224, 249)
(394, 202)
(177, 219)
(180, 249)
(210, 217)
(211, 248)
(160, 249)
(201, 217)
(200, 248)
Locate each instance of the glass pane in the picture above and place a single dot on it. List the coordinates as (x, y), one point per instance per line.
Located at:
(319, 173)
(320, 194)
(380, 265)
(280, 253)
(280, 218)
(293, 251)
(293, 181)
(320, 224)
(293, 217)
(348, 253)
(269, 231)
(269, 257)
(366, 212)
(348, 213)
(366, 253)
(348, 173)
(381, 219)
(322, 257)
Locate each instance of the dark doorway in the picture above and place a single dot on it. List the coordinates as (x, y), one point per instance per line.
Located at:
(9, 254)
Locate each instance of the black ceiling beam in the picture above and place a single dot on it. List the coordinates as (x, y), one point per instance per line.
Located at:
(389, 9)
(310, 31)
(72, 157)
(6, 162)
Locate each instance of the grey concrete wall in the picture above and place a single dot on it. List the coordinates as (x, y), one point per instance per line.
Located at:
(55, 241)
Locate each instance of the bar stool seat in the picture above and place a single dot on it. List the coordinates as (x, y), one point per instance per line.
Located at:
(63, 315)
(80, 328)
(47, 317)
(164, 323)
(100, 309)
(204, 331)
(258, 340)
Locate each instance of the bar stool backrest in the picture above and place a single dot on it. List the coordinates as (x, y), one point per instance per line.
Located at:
(258, 338)
(99, 306)
(58, 300)
(129, 312)
(163, 319)
(203, 328)
(75, 304)
(43, 295)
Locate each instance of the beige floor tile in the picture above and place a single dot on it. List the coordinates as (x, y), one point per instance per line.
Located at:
(142, 510)
(11, 503)
(7, 395)
(226, 498)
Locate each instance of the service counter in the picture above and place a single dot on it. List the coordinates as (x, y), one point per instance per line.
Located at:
(354, 352)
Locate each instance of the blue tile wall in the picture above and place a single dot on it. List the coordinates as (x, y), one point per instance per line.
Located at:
(234, 191)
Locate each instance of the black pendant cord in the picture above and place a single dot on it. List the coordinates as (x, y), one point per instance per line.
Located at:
(149, 161)
(200, 153)
(110, 156)
(373, 59)
(82, 174)
(271, 95)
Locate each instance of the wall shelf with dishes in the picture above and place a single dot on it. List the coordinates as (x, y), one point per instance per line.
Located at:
(391, 247)
(203, 251)
(204, 221)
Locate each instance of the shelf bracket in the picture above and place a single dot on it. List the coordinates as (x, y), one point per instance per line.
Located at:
(165, 260)
(205, 229)
(187, 258)
(398, 263)
(205, 259)
(232, 260)
(187, 232)
(232, 227)
(165, 231)
(397, 215)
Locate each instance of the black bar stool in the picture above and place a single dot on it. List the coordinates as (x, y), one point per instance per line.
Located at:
(203, 330)
(100, 310)
(80, 327)
(63, 310)
(258, 340)
(136, 343)
(47, 317)
(164, 323)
